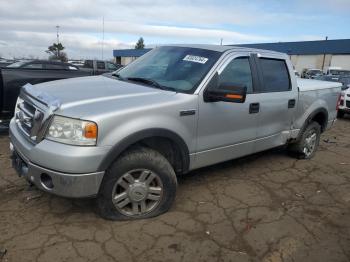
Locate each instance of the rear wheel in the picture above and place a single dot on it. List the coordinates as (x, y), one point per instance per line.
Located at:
(140, 184)
(307, 145)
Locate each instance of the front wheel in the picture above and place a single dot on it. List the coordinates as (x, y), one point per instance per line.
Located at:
(139, 184)
(307, 145)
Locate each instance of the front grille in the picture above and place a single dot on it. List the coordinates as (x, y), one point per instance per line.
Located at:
(28, 119)
(348, 104)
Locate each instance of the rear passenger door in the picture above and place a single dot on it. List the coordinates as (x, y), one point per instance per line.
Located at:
(277, 102)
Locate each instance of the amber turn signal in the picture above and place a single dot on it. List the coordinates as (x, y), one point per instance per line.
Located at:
(90, 130)
(232, 96)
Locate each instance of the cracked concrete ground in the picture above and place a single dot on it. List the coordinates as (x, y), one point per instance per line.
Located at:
(266, 207)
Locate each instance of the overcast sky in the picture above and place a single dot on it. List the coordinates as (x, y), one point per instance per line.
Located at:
(28, 27)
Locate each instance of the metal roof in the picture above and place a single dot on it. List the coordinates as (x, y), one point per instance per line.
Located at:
(341, 46)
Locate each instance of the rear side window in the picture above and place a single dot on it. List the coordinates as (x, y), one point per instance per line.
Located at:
(100, 65)
(88, 64)
(238, 72)
(275, 74)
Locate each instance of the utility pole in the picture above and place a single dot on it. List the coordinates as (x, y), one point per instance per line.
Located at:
(58, 39)
(103, 34)
(324, 57)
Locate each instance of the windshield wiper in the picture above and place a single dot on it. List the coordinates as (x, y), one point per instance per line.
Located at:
(151, 82)
(117, 75)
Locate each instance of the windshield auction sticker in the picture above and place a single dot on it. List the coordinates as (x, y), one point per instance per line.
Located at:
(196, 59)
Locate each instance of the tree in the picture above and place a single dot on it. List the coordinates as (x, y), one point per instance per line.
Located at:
(140, 44)
(56, 52)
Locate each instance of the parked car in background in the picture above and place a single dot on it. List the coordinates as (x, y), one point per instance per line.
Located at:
(341, 72)
(41, 64)
(343, 79)
(330, 70)
(14, 76)
(98, 67)
(344, 105)
(124, 138)
(311, 73)
(5, 62)
(78, 63)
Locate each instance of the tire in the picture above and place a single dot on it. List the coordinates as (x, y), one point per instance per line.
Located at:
(340, 114)
(298, 148)
(152, 197)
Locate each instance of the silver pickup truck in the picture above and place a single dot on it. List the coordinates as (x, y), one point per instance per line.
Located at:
(124, 138)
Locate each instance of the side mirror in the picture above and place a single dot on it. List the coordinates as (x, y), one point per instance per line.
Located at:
(227, 92)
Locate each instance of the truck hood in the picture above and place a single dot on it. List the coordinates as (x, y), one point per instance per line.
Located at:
(91, 89)
(78, 96)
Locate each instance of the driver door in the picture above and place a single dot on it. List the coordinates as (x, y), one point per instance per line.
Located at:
(228, 130)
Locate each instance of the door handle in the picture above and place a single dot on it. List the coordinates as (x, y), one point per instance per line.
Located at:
(291, 103)
(254, 108)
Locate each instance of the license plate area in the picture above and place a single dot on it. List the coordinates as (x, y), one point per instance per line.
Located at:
(19, 165)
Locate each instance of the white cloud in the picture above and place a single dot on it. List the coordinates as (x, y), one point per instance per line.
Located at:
(28, 27)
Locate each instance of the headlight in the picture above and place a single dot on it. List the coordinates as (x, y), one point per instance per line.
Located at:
(72, 131)
(19, 101)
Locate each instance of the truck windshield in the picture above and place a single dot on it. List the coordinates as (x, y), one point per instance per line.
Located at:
(179, 69)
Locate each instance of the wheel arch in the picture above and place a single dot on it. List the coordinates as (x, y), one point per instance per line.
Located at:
(320, 116)
(145, 136)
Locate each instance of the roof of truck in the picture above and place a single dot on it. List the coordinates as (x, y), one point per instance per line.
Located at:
(224, 48)
(218, 48)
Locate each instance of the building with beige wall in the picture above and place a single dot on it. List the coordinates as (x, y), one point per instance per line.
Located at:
(313, 54)
(304, 55)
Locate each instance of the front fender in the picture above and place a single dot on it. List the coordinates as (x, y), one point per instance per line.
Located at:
(122, 145)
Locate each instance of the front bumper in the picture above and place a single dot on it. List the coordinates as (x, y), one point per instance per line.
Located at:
(58, 183)
(72, 170)
(344, 109)
(345, 104)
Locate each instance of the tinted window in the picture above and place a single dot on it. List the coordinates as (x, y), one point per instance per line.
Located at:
(238, 72)
(17, 64)
(100, 65)
(276, 76)
(88, 64)
(111, 66)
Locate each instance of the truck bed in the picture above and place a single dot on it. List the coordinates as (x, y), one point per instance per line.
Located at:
(316, 95)
(310, 84)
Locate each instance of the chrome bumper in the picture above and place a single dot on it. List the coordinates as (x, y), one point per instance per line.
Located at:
(58, 183)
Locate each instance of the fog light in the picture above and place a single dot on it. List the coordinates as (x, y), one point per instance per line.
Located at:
(46, 181)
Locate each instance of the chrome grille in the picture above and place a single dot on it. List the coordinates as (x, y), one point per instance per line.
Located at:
(28, 119)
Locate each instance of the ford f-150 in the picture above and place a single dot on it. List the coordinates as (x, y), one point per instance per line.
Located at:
(124, 138)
